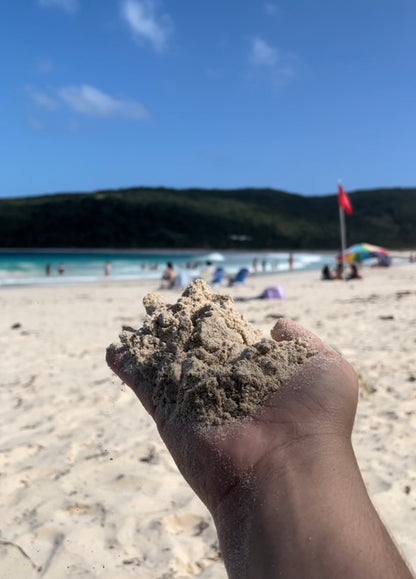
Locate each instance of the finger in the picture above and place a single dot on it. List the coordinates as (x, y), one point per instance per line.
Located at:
(121, 363)
(287, 329)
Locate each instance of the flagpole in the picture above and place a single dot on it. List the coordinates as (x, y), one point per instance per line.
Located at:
(344, 204)
(342, 227)
(343, 237)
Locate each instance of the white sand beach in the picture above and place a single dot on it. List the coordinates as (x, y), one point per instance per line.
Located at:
(87, 487)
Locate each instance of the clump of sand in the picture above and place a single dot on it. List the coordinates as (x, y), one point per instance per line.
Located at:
(205, 361)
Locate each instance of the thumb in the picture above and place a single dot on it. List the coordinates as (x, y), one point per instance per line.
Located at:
(286, 329)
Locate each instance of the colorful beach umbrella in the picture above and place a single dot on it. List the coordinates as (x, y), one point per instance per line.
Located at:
(361, 251)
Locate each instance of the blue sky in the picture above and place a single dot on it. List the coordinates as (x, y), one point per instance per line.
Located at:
(292, 94)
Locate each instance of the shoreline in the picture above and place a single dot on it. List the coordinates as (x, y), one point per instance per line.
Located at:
(66, 281)
(154, 277)
(83, 267)
(30, 269)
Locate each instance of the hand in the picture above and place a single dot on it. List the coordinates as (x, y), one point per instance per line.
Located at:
(315, 408)
(284, 488)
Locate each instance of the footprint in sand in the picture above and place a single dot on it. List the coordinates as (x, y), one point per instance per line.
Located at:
(185, 523)
(151, 456)
(91, 511)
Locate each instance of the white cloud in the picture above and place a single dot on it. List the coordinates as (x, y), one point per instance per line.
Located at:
(88, 100)
(41, 99)
(68, 5)
(269, 62)
(140, 15)
(263, 54)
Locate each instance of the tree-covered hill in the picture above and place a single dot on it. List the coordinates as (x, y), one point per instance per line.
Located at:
(171, 218)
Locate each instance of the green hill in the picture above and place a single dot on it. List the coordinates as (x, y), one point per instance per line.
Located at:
(146, 217)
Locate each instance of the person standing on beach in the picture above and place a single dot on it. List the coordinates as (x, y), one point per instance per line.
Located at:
(61, 269)
(291, 261)
(169, 276)
(284, 488)
(208, 271)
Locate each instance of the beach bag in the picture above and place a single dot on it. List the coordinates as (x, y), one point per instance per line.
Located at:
(273, 292)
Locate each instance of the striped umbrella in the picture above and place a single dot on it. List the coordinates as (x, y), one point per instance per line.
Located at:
(361, 251)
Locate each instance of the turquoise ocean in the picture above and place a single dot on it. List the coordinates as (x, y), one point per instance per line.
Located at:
(24, 267)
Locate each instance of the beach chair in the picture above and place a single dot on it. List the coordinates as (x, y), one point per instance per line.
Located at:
(240, 277)
(218, 275)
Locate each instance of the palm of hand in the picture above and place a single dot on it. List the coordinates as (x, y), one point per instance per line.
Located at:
(317, 404)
